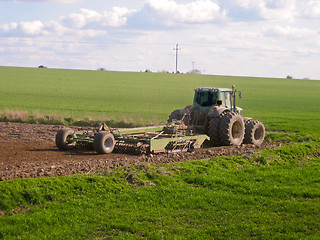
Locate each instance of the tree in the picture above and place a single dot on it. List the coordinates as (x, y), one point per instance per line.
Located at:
(194, 71)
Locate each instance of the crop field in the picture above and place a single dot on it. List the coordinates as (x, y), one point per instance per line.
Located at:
(149, 98)
(268, 193)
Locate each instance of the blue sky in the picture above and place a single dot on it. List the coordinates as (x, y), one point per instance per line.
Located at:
(266, 38)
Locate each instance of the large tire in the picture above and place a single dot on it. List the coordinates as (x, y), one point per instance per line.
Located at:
(254, 133)
(213, 131)
(174, 115)
(64, 139)
(104, 142)
(231, 130)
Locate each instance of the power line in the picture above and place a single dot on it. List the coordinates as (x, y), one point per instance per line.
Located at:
(202, 45)
(82, 42)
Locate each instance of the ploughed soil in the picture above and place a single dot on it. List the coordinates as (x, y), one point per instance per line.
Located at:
(29, 150)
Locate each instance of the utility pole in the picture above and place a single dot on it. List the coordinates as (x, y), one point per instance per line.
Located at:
(177, 49)
(193, 65)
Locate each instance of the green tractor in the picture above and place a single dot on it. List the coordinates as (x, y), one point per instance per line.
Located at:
(214, 112)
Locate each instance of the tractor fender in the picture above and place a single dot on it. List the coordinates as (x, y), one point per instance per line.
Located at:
(218, 112)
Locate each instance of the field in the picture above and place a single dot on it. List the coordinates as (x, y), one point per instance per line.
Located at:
(145, 98)
(257, 193)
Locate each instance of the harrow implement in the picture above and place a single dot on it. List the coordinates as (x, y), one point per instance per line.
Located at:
(175, 137)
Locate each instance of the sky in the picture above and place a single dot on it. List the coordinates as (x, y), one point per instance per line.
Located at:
(259, 38)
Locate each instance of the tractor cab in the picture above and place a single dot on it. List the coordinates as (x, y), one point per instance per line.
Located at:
(209, 103)
(205, 102)
(205, 98)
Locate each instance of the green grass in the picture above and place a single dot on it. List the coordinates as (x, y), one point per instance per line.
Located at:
(149, 98)
(222, 198)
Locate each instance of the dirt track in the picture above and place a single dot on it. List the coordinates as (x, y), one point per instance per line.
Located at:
(28, 150)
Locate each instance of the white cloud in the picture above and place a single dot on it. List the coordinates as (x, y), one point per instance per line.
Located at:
(86, 19)
(75, 20)
(290, 32)
(59, 1)
(9, 27)
(279, 9)
(28, 28)
(194, 12)
(115, 18)
(55, 27)
(91, 33)
(261, 9)
(312, 10)
(31, 28)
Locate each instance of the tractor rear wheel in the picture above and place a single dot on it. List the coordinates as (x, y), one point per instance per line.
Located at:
(213, 131)
(64, 139)
(231, 130)
(104, 142)
(174, 115)
(254, 133)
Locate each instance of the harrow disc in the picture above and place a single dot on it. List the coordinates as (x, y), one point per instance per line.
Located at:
(140, 149)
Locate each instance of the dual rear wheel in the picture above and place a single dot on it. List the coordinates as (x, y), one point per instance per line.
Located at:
(254, 133)
(229, 129)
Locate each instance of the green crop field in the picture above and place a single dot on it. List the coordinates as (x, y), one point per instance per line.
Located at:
(149, 98)
(266, 194)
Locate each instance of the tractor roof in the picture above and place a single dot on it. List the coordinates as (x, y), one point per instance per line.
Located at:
(206, 89)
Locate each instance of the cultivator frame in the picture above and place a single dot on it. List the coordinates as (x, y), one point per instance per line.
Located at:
(175, 137)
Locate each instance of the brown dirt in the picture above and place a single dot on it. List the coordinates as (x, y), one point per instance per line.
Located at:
(29, 150)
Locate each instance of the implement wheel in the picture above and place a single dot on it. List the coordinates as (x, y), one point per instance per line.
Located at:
(64, 139)
(104, 142)
(254, 133)
(231, 130)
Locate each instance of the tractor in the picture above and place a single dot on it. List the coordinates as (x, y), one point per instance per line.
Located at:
(214, 112)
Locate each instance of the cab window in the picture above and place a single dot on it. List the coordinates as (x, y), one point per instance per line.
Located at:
(205, 99)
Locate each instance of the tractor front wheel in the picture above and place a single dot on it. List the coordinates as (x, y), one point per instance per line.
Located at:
(254, 133)
(104, 142)
(64, 139)
(231, 130)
